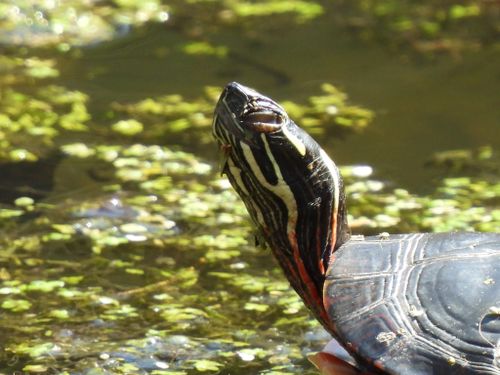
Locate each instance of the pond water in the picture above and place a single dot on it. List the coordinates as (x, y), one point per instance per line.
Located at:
(422, 105)
(124, 251)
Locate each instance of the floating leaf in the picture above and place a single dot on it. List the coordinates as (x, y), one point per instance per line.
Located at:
(16, 305)
(204, 365)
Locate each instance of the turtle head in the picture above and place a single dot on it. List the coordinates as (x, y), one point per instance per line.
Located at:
(246, 114)
(292, 190)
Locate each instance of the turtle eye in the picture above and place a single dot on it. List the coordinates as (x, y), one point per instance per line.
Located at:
(264, 121)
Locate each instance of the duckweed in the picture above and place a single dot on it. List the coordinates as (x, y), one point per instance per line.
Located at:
(427, 28)
(137, 257)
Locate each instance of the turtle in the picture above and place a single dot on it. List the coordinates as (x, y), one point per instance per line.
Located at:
(418, 303)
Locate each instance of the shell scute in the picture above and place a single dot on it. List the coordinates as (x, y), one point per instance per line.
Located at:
(421, 303)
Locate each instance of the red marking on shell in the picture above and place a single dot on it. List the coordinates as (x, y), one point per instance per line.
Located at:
(321, 266)
(334, 229)
(378, 364)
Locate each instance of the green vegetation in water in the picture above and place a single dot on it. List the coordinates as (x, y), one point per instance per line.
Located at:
(73, 23)
(138, 257)
(427, 27)
(459, 202)
(52, 112)
(304, 10)
(156, 265)
(30, 123)
(141, 263)
(174, 115)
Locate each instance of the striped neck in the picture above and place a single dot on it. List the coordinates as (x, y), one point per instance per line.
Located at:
(292, 190)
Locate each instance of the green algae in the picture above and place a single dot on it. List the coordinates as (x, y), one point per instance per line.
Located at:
(165, 239)
(73, 23)
(140, 259)
(428, 28)
(331, 108)
(35, 120)
(173, 115)
(204, 48)
(303, 10)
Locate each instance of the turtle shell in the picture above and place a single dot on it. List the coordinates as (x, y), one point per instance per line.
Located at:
(419, 303)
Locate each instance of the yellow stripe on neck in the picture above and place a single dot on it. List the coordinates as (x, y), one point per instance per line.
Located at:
(295, 141)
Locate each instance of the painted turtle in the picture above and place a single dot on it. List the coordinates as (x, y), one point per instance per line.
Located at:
(426, 303)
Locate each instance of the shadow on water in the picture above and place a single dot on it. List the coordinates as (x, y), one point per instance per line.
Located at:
(34, 179)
